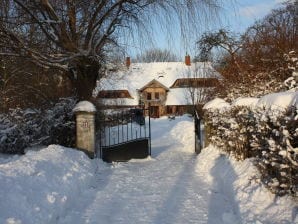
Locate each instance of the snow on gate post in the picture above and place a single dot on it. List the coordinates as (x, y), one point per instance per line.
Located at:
(85, 127)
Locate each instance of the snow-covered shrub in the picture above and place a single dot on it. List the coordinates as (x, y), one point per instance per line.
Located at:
(292, 81)
(12, 136)
(270, 136)
(60, 123)
(19, 129)
(276, 141)
(22, 128)
(230, 129)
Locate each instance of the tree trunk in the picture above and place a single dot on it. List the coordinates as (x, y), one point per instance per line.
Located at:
(84, 72)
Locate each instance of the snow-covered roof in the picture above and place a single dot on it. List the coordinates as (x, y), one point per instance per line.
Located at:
(140, 74)
(119, 102)
(178, 96)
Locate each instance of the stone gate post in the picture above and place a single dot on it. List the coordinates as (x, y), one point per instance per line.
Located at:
(85, 127)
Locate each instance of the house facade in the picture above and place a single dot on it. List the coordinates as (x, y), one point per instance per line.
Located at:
(167, 87)
(154, 95)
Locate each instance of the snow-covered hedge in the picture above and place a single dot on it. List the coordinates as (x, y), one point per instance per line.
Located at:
(269, 135)
(22, 128)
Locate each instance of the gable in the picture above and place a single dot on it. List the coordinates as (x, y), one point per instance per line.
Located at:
(154, 84)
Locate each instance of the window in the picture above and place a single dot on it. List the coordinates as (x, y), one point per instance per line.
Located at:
(149, 97)
(157, 96)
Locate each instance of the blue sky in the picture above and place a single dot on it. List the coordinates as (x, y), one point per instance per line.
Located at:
(248, 11)
(235, 17)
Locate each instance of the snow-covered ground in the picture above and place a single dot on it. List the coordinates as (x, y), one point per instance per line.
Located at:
(61, 185)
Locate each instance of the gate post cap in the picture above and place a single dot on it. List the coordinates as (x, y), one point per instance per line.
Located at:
(84, 106)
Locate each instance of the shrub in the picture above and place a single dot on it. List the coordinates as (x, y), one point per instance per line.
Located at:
(24, 128)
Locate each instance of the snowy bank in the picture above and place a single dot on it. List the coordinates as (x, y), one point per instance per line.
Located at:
(40, 186)
(239, 181)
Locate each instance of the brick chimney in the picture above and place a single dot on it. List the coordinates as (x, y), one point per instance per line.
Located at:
(127, 62)
(187, 60)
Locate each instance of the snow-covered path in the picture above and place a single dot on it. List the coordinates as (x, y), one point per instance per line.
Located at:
(167, 188)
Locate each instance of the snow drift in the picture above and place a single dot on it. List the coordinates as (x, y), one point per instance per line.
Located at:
(40, 186)
(240, 181)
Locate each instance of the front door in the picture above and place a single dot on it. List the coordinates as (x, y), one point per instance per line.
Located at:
(154, 111)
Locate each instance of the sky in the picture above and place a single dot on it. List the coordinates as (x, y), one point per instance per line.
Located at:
(248, 11)
(235, 17)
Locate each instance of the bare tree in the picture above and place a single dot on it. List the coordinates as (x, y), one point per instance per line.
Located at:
(75, 36)
(157, 55)
(24, 85)
(222, 39)
(254, 63)
(267, 41)
(200, 82)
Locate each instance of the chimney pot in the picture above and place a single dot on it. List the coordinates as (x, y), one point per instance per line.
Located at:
(127, 62)
(187, 60)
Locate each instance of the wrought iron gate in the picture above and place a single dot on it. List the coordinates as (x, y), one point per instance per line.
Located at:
(124, 134)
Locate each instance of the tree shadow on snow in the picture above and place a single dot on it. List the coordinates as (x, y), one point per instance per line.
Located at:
(223, 207)
(171, 209)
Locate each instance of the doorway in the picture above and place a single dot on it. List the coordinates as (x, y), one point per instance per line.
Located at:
(154, 111)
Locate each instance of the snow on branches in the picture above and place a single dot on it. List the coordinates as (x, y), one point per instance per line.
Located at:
(292, 81)
(23, 128)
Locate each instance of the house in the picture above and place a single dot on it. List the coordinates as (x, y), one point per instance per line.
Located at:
(168, 87)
